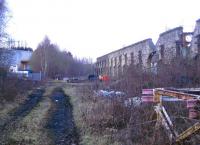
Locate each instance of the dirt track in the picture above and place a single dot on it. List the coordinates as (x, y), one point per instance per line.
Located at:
(61, 123)
(57, 121)
(21, 112)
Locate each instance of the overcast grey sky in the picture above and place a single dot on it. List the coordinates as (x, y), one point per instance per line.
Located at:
(91, 28)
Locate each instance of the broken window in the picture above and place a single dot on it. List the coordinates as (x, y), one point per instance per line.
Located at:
(198, 43)
(126, 59)
(149, 60)
(140, 57)
(132, 58)
(178, 49)
(110, 71)
(162, 51)
(120, 60)
(111, 62)
(107, 63)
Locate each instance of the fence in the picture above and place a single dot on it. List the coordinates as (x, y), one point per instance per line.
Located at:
(29, 76)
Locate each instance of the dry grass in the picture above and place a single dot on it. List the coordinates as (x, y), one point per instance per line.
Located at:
(31, 129)
(15, 92)
(109, 123)
(7, 107)
(95, 128)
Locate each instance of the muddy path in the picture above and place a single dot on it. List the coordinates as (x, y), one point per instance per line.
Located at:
(33, 99)
(61, 123)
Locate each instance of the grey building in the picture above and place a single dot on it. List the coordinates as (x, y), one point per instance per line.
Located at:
(171, 44)
(114, 63)
(17, 58)
(195, 44)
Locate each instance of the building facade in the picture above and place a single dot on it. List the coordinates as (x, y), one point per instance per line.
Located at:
(170, 44)
(15, 58)
(116, 62)
(173, 43)
(195, 44)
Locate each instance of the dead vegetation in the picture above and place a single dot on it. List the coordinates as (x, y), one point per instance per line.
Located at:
(105, 121)
(108, 121)
(14, 89)
(13, 92)
(98, 119)
(179, 73)
(31, 129)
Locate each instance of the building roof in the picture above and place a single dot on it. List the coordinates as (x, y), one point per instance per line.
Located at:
(22, 48)
(143, 41)
(171, 30)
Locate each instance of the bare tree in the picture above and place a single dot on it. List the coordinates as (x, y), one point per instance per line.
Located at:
(40, 58)
(3, 18)
(54, 63)
(4, 57)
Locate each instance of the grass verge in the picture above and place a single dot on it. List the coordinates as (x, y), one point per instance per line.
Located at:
(81, 107)
(31, 130)
(7, 107)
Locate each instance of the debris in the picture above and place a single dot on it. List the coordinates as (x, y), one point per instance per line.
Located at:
(105, 93)
(135, 101)
(159, 95)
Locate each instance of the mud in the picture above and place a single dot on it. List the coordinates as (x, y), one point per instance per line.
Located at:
(61, 123)
(19, 113)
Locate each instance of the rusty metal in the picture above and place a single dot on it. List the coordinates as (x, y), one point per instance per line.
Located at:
(162, 116)
(165, 120)
(179, 95)
(189, 132)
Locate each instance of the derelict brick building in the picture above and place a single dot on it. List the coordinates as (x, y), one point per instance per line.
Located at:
(170, 44)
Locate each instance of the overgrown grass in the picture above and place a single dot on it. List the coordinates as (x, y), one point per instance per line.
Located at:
(13, 92)
(4, 110)
(31, 129)
(105, 122)
(87, 122)
(13, 96)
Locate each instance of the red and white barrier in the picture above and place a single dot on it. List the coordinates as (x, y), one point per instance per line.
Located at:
(191, 104)
(147, 95)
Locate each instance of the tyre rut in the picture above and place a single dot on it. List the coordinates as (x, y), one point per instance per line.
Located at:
(21, 112)
(61, 123)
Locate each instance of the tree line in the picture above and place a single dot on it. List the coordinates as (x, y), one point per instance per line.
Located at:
(54, 63)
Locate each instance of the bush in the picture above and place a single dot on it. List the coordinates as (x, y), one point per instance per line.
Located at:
(135, 125)
(12, 87)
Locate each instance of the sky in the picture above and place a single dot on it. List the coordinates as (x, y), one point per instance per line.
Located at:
(91, 28)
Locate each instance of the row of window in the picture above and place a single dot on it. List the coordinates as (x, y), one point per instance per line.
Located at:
(110, 70)
(117, 61)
